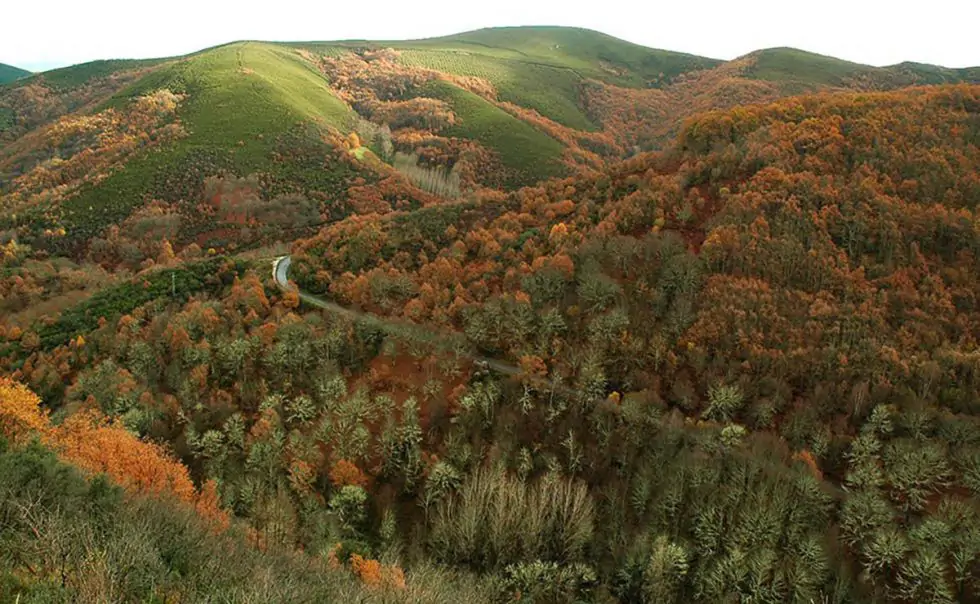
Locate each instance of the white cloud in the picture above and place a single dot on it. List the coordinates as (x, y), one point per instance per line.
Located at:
(878, 32)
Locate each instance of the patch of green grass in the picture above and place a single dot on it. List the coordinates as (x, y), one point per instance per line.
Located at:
(529, 154)
(551, 91)
(793, 65)
(9, 73)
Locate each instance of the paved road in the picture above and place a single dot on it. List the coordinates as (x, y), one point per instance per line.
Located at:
(280, 272)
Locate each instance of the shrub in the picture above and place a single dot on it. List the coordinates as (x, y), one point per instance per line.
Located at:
(724, 402)
(348, 505)
(344, 473)
(665, 574)
(545, 582)
(496, 519)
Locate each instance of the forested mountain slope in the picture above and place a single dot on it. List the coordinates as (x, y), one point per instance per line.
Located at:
(292, 132)
(742, 295)
(762, 345)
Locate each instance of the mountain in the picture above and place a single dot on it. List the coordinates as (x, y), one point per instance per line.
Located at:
(576, 320)
(9, 73)
(809, 69)
(764, 280)
(497, 108)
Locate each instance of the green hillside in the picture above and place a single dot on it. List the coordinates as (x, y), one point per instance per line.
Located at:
(243, 90)
(9, 73)
(812, 70)
(790, 64)
(539, 67)
(589, 53)
(530, 153)
(240, 98)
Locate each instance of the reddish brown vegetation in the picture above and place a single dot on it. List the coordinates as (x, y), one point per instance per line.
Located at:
(98, 445)
(345, 473)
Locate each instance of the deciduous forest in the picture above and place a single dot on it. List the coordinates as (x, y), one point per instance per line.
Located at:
(739, 303)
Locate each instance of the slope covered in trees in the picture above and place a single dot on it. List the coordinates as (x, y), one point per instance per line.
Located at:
(70, 535)
(804, 269)
(228, 147)
(749, 370)
(748, 359)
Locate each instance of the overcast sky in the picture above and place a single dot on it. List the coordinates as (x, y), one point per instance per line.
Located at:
(41, 35)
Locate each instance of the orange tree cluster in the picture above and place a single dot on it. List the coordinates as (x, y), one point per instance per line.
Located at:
(91, 442)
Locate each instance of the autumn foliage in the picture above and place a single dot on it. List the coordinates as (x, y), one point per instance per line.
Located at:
(20, 412)
(374, 574)
(345, 473)
(98, 445)
(762, 339)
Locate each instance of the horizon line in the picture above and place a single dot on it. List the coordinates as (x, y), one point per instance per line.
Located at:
(41, 68)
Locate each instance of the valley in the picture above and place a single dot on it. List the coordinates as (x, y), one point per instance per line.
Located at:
(519, 314)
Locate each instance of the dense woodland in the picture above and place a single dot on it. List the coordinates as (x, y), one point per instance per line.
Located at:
(747, 361)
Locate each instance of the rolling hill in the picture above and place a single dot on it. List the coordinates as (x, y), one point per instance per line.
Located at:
(540, 67)
(487, 109)
(501, 108)
(236, 105)
(9, 73)
(568, 75)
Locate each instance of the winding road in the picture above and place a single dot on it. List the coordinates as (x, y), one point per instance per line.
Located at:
(280, 273)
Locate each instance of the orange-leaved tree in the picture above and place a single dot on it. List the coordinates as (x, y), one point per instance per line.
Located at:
(20, 411)
(375, 574)
(345, 473)
(93, 443)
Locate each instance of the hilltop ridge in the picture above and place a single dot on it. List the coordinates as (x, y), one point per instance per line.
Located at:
(490, 108)
(9, 73)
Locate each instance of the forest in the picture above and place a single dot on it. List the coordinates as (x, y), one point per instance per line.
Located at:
(747, 335)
